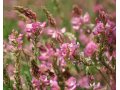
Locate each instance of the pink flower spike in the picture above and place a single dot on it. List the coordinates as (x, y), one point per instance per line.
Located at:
(86, 18)
(98, 7)
(21, 25)
(97, 86)
(84, 82)
(44, 79)
(11, 37)
(54, 85)
(35, 25)
(29, 26)
(98, 28)
(84, 39)
(36, 83)
(42, 25)
(90, 49)
(71, 83)
(43, 57)
(63, 30)
(76, 22)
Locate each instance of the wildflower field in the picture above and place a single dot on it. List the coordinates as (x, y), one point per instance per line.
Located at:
(59, 45)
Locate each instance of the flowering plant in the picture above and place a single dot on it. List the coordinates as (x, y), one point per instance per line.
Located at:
(58, 59)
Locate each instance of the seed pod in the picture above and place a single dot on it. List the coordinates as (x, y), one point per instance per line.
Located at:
(27, 12)
(50, 17)
(76, 11)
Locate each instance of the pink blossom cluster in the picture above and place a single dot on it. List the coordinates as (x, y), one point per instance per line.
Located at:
(15, 40)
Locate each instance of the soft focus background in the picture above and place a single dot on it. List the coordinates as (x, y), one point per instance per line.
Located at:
(12, 21)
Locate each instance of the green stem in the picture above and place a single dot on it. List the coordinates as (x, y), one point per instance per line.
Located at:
(59, 74)
(77, 68)
(6, 78)
(35, 48)
(17, 73)
(30, 86)
(102, 60)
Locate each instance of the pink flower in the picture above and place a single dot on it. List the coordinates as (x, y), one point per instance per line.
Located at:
(97, 86)
(44, 56)
(62, 63)
(98, 28)
(12, 37)
(34, 28)
(7, 47)
(10, 48)
(21, 25)
(55, 33)
(110, 32)
(54, 84)
(16, 40)
(20, 41)
(44, 79)
(36, 83)
(110, 24)
(43, 68)
(64, 50)
(10, 69)
(71, 83)
(84, 82)
(86, 18)
(90, 49)
(73, 47)
(68, 49)
(47, 54)
(98, 7)
(84, 39)
(76, 22)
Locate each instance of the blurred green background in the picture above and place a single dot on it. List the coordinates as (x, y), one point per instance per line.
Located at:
(59, 8)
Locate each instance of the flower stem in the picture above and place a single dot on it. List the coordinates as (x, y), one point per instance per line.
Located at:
(59, 74)
(17, 73)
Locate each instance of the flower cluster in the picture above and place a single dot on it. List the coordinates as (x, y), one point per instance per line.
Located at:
(35, 28)
(15, 40)
(78, 20)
